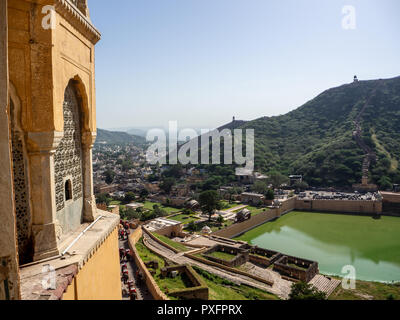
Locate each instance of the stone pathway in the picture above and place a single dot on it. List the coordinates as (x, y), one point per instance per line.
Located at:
(141, 288)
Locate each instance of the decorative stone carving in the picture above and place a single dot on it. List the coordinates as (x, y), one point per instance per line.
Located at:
(76, 12)
(88, 139)
(43, 142)
(68, 156)
(21, 193)
(45, 241)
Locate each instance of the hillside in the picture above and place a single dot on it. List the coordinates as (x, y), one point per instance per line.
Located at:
(316, 140)
(111, 137)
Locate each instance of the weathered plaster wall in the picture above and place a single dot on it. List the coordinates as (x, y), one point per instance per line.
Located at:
(99, 278)
(9, 282)
(42, 62)
(70, 294)
(73, 56)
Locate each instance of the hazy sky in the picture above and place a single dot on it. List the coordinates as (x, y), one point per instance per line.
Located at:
(200, 62)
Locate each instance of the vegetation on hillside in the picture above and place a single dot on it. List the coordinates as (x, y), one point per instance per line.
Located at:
(368, 291)
(316, 140)
(111, 137)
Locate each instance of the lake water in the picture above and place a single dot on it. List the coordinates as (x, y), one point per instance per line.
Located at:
(335, 240)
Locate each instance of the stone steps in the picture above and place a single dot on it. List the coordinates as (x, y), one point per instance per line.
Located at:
(325, 284)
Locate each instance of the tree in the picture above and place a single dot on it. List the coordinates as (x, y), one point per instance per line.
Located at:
(143, 193)
(209, 202)
(109, 176)
(260, 187)
(192, 226)
(277, 179)
(127, 165)
(385, 183)
(174, 171)
(130, 214)
(301, 185)
(167, 184)
(305, 291)
(104, 198)
(158, 212)
(270, 195)
(129, 197)
(212, 183)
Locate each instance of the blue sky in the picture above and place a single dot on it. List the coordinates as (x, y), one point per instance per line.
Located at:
(200, 62)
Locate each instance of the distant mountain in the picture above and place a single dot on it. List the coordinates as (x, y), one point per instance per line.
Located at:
(333, 140)
(138, 132)
(113, 137)
(319, 140)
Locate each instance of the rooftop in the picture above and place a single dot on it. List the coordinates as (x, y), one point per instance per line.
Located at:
(68, 265)
(160, 223)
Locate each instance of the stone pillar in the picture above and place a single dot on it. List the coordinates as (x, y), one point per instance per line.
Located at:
(45, 229)
(89, 208)
(9, 276)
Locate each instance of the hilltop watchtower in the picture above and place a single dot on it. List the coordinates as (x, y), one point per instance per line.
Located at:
(355, 79)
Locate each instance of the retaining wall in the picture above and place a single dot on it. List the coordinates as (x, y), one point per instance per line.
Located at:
(150, 282)
(308, 271)
(239, 228)
(198, 290)
(345, 206)
(159, 241)
(233, 270)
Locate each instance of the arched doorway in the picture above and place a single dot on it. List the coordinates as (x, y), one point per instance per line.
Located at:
(68, 165)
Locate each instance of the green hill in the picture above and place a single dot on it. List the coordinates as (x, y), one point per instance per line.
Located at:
(316, 140)
(111, 137)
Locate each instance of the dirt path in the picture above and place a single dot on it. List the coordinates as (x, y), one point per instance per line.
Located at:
(370, 155)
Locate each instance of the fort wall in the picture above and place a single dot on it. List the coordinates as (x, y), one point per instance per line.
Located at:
(99, 278)
(345, 206)
(151, 284)
(255, 221)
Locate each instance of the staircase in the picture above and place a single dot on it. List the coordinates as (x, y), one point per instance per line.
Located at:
(370, 155)
(325, 284)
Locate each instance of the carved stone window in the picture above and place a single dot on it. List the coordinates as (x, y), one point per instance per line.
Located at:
(68, 190)
(21, 198)
(68, 156)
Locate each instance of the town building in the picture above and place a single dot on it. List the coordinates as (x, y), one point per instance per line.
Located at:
(295, 179)
(252, 198)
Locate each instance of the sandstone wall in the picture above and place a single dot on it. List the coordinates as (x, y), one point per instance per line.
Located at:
(99, 278)
(337, 206)
(255, 221)
(150, 282)
(8, 257)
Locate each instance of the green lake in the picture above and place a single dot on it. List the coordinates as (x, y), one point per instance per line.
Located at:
(336, 240)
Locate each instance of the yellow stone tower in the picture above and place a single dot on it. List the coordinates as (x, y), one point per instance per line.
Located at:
(48, 128)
